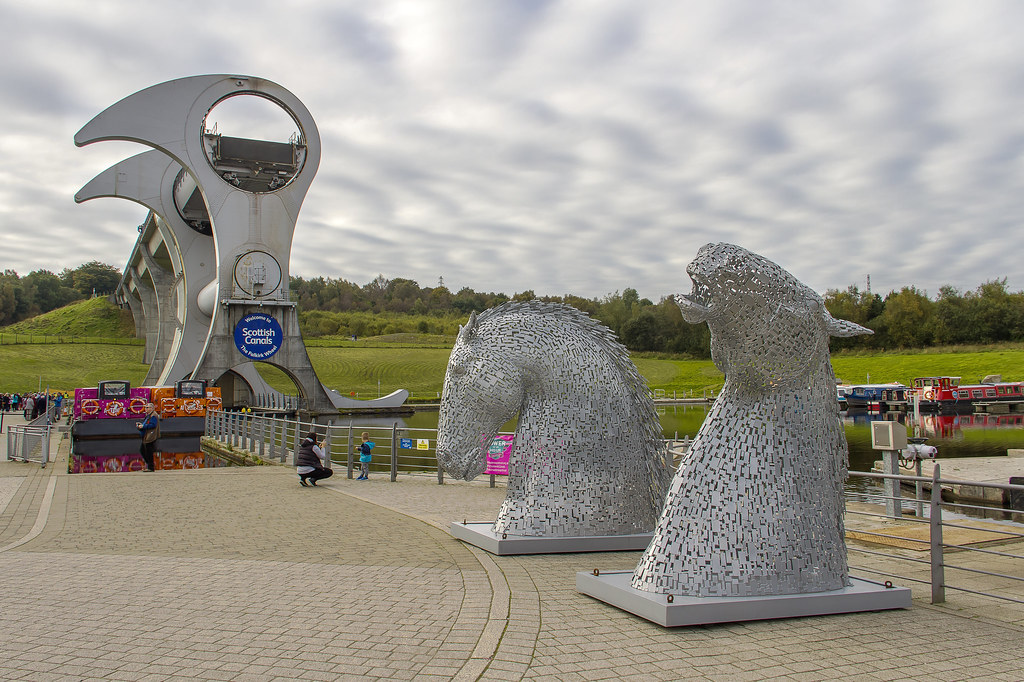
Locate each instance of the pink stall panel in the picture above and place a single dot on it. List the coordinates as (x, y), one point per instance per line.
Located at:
(82, 394)
(89, 406)
(138, 401)
(105, 464)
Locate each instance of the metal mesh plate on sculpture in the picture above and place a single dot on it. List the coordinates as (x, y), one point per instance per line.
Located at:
(588, 458)
(756, 505)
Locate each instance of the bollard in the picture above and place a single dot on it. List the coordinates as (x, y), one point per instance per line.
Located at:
(891, 486)
(1015, 499)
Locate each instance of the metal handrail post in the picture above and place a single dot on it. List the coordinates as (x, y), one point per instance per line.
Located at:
(351, 452)
(327, 445)
(935, 535)
(297, 442)
(394, 452)
(282, 451)
(263, 437)
(919, 488)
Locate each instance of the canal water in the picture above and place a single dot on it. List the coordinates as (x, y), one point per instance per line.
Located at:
(971, 435)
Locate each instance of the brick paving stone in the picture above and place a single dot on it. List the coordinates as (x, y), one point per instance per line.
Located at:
(243, 574)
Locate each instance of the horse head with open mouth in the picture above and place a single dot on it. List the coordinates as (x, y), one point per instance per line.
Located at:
(756, 506)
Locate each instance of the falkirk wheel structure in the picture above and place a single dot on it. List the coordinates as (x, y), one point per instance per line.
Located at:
(207, 281)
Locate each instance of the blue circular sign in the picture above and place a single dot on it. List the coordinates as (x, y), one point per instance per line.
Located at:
(258, 336)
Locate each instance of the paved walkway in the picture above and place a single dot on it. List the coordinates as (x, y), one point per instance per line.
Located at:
(241, 574)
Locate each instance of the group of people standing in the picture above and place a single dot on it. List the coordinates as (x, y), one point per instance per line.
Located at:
(33, 404)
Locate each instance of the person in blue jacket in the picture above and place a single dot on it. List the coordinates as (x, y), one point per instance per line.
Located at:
(150, 431)
(365, 457)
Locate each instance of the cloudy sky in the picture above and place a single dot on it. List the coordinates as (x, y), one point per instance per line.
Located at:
(563, 146)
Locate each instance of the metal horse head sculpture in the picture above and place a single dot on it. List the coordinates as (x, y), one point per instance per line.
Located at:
(587, 458)
(756, 507)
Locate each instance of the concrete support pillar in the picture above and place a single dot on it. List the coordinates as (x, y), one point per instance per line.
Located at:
(150, 315)
(163, 293)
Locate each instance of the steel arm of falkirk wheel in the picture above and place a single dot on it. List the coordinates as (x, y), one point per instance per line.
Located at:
(248, 226)
(150, 179)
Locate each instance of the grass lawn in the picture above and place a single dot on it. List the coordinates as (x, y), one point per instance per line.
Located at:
(65, 366)
(421, 370)
(95, 318)
(970, 366)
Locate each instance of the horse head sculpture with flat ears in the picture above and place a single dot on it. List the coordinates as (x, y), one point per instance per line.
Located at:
(588, 458)
(470, 417)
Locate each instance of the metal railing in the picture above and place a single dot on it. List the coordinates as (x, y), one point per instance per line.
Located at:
(9, 339)
(396, 450)
(29, 442)
(970, 566)
(276, 401)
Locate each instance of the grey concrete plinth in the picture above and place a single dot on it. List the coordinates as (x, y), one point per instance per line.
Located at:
(480, 535)
(861, 595)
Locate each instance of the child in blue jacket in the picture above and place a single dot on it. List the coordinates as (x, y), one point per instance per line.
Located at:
(365, 457)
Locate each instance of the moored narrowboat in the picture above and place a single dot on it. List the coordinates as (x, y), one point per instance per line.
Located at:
(947, 394)
(878, 397)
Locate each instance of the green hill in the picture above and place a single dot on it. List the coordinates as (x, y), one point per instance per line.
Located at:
(95, 317)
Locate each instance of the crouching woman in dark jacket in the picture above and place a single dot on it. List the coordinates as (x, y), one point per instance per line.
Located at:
(310, 463)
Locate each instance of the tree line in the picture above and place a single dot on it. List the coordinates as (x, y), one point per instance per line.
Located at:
(334, 307)
(41, 291)
(908, 318)
(902, 319)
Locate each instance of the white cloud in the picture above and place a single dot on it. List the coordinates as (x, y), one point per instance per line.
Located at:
(579, 146)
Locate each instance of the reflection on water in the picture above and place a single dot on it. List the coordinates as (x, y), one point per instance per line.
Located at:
(966, 435)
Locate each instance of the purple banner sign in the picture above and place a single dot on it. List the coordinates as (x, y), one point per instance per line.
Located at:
(498, 453)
